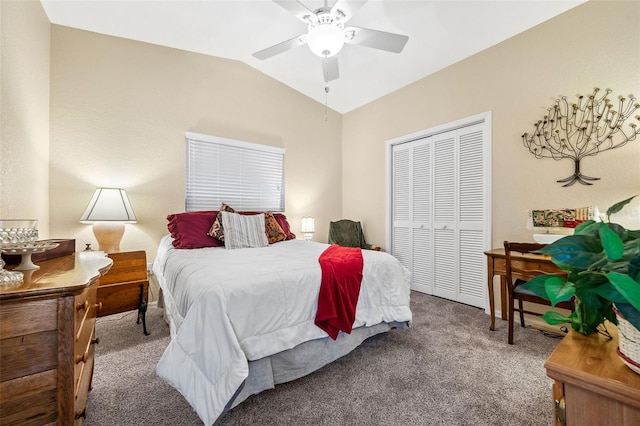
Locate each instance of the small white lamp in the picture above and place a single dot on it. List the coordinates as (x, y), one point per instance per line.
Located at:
(307, 227)
(108, 211)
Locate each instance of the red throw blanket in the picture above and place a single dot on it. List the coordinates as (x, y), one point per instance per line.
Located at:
(339, 289)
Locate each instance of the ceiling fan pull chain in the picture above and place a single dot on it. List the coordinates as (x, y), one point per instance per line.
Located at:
(326, 98)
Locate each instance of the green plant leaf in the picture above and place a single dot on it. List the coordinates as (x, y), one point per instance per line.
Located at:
(588, 227)
(618, 206)
(618, 229)
(629, 313)
(629, 288)
(555, 318)
(611, 242)
(609, 292)
(610, 315)
(634, 267)
(574, 252)
(537, 285)
(590, 310)
(559, 290)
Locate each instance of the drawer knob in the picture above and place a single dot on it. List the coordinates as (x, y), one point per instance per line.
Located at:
(82, 358)
(561, 414)
(98, 306)
(82, 306)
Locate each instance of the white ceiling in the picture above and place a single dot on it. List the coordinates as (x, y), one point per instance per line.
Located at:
(440, 34)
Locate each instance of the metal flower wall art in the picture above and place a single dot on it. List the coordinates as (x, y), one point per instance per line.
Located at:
(582, 129)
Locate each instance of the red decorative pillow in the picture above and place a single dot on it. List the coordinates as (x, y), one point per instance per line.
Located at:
(189, 229)
(282, 221)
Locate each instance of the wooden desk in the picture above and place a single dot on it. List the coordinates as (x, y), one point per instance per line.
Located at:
(496, 265)
(591, 385)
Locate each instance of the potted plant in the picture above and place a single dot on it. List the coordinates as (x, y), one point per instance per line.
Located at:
(602, 265)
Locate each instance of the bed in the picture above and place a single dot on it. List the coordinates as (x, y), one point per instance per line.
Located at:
(242, 321)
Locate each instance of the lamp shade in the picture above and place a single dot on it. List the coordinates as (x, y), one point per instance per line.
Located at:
(109, 205)
(308, 225)
(108, 210)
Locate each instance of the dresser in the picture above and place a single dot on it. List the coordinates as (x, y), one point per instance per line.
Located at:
(47, 339)
(592, 387)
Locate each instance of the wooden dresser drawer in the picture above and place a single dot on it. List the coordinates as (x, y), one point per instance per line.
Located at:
(500, 266)
(121, 297)
(85, 306)
(83, 354)
(28, 334)
(83, 384)
(18, 319)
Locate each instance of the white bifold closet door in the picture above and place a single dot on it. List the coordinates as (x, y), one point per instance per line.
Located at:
(439, 213)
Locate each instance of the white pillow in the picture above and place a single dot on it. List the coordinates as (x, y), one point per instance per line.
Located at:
(243, 231)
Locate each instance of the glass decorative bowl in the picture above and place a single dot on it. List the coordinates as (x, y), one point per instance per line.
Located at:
(15, 234)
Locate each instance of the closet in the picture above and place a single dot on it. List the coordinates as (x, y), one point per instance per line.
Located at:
(438, 201)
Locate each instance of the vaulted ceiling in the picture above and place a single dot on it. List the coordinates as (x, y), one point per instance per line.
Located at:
(441, 33)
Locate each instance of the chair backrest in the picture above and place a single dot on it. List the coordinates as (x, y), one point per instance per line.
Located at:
(522, 270)
(347, 233)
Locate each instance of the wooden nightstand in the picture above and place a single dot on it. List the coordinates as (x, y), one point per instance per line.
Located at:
(126, 286)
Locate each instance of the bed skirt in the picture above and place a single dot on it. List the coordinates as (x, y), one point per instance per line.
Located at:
(299, 361)
(304, 359)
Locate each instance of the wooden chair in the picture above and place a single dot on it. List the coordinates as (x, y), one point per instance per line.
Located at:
(517, 273)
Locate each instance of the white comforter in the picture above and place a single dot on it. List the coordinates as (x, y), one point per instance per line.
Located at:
(229, 306)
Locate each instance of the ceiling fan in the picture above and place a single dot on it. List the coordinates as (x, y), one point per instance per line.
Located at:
(327, 34)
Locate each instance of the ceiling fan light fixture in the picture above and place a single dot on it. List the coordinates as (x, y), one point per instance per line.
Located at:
(325, 40)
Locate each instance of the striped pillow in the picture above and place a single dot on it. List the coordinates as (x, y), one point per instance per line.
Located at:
(242, 231)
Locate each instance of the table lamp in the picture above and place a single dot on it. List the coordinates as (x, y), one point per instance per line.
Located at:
(108, 211)
(307, 227)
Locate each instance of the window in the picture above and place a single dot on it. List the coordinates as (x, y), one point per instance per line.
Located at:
(244, 175)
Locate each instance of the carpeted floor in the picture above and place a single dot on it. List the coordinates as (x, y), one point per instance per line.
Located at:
(447, 369)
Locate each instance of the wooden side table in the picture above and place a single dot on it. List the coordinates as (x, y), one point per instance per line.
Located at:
(126, 286)
(592, 385)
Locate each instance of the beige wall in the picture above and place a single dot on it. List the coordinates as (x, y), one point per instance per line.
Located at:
(24, 112)
(119, 111)
(594, 45)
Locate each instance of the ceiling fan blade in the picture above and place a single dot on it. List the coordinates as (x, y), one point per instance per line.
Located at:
(281, 47)
(346, 9)
(382, 40)
(330, 69)
(298, 9)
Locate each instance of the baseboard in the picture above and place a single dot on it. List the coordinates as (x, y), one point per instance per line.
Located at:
(539, 324)
(536, 322)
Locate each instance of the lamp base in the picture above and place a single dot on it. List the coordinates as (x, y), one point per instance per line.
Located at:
(307, 237)
(109, 235)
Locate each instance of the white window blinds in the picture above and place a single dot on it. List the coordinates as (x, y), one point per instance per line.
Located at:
(246, 176)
